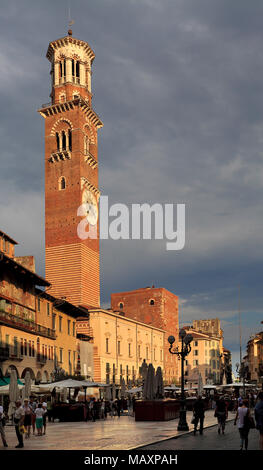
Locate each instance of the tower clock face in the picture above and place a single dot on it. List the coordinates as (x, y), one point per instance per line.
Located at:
(91, 206)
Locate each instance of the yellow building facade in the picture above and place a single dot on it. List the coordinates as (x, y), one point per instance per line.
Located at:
(120, 345)
(206, 353)
(37, 331)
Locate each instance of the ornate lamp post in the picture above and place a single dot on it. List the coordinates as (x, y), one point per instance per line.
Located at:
(185, 350)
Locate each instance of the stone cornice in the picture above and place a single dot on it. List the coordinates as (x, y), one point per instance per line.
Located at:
(58, 108)
(54, 45)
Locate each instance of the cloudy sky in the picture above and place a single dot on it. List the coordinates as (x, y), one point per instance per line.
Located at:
(179, 87)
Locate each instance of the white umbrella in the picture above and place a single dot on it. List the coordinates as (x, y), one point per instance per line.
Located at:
(159, 389)
(13, 393)
(113, 391)
(4, 390)
(200, 385)
(27, 384)
(150, 383)
(108, 394)
(123, 388)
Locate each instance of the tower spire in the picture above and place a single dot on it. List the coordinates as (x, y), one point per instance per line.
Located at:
(70, 21)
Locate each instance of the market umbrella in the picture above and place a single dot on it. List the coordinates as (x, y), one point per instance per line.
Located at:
(13, 393)
(108, 394)
(200, 385)
(159, 390)
(123, 388)
(27, 384)
(150, 383)
(113, 391)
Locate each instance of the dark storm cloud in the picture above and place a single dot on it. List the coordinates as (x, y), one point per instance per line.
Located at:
(178, 85)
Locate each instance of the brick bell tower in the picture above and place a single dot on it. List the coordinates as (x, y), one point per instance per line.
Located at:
(71, 174)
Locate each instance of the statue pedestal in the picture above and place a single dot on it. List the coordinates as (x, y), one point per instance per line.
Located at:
(157, 410)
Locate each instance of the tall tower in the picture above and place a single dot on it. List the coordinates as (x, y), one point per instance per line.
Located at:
(71, 171)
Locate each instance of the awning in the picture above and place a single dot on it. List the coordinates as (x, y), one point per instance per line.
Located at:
(6, 381)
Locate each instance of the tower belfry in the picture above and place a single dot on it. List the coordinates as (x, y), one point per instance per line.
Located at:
(71, 173)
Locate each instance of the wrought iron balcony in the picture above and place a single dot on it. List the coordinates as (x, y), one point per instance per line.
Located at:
(30, 326)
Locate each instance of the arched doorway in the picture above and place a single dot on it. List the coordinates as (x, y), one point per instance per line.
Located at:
(32, 375)
(8, 371)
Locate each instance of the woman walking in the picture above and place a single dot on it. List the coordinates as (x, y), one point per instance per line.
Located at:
(39, 419)
(221, 414)
(241, 420)
(28, 417)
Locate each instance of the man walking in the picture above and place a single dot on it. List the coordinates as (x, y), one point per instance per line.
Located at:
(19, 417)
(199, 415)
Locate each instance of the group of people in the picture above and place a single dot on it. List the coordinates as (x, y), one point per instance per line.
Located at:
(30, 413)
(243, 419)
(99, 409)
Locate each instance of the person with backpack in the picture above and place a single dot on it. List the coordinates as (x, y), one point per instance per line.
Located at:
(2, 425)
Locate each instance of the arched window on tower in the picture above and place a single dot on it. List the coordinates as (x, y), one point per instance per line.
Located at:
(58, 141)
(64, 141)
(70, 139)
(75, 71)
(62, 70)
(62, 183)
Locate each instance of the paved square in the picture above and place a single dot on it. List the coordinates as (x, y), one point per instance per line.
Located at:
(112, 434)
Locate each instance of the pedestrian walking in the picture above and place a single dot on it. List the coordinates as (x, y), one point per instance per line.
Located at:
(118, 407)
(92, 409)
(199, 415)
(111, 408)
(2, 426)
(221, 414)
(39, 419)
(241, 420)
(102, 409)
(28, 417)
(19, 417)
(259, 418)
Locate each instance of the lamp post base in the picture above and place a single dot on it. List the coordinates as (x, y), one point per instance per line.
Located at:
(182, 425)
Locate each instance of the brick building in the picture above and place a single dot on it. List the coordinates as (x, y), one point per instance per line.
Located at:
(71, 170)
(156, 307)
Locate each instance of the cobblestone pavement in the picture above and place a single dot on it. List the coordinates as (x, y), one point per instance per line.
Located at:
(112, 434)
(210, 440)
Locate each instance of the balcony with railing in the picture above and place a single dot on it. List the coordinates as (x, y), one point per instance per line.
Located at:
(29, 326)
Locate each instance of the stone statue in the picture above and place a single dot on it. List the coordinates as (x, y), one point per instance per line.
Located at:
(143, 372)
